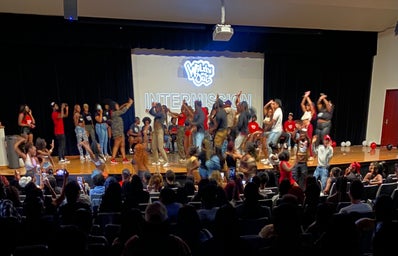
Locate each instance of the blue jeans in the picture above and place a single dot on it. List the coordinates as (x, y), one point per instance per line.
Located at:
(274, 138)
(102, 132)
(198, 139)
(322, 174)
(204, 172)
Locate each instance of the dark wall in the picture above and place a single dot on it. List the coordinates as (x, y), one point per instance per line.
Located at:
(45, 59)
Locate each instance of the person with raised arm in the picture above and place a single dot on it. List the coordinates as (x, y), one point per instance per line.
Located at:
(119, 142)
(159, 117)
(58, 114)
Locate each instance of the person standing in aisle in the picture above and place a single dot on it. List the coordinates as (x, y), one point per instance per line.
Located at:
(58, 116)
(325, 153)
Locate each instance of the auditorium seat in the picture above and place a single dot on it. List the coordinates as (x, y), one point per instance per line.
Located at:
(252, 226)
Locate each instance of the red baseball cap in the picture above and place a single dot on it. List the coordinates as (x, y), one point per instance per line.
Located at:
(326, 137)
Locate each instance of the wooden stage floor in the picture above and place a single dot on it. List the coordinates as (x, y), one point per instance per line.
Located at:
(343, 156)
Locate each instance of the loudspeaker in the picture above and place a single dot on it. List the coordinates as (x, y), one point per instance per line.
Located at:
(70, 9)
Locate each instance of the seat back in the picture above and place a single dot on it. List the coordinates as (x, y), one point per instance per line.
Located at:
(369, 192)
(266, 202)
(111, 232)
(252, 226)
(104, 218)
(97, 249)
(394, 197)
(196, 204)
(386, 189)
(31, 250)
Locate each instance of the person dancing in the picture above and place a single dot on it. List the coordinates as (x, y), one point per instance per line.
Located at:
(181, 119)
(119, 141)
(27, 122)
(58, 116)
(158, 133)
(325, 114)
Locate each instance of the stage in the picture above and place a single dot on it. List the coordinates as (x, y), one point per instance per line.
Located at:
(343, 156)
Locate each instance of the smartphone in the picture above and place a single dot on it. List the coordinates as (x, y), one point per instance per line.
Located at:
(80, 182)
(60, 172)
(222, 175)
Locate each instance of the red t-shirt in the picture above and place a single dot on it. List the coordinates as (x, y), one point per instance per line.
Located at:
(289, 126)
(254, 127)
(58, 123)
(206, 122)
(181, 119)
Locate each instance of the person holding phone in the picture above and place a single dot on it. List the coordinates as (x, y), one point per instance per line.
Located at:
(44, 154)
(58, 114)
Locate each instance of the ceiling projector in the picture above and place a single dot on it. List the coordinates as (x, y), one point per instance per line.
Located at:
(222, 32)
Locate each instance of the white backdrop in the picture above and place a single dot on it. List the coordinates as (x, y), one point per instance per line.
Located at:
(160, 76)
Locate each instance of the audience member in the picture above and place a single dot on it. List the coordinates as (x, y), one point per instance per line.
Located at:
(375, 174)
(156, 229)
(355, 192)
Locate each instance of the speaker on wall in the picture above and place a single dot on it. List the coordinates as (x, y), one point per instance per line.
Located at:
(70, 9)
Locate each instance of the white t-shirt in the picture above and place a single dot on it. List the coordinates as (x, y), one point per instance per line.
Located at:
(360, 208)
(278, 117)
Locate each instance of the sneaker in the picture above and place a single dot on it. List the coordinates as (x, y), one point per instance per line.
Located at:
(126, 161)
(310, 158)
(82, 158)
(182, 160)
(88, 158)
(113, 161)
(156, 163)
(131, 151)
(66, 161)
(166, 164)
(61, 161)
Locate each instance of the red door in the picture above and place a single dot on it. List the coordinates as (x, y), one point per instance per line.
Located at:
(389, 133)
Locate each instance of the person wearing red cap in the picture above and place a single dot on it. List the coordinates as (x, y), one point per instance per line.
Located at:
(353, 172)
(325, 153)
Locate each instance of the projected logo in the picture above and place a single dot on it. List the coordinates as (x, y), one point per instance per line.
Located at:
(200, 72)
